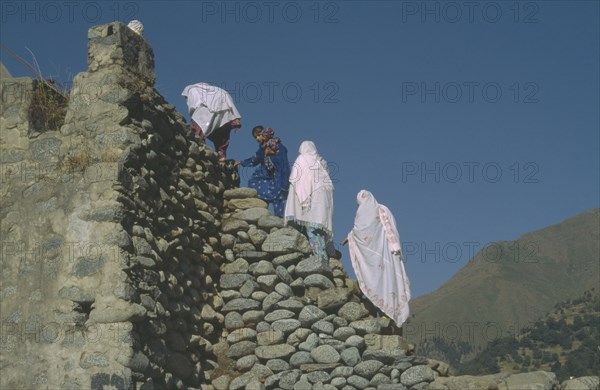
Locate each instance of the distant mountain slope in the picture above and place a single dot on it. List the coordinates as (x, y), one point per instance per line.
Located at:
(564, 342)
(511, 283)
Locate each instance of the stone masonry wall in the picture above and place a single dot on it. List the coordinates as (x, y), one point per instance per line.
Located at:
(127, 264)
(107, 227)
(295, 321)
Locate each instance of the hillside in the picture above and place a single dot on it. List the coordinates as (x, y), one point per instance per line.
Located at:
(565, 342)
(509, 284)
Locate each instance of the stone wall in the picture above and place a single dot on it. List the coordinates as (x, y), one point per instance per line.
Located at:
(127, 264)
(295, 321)
(107, 227)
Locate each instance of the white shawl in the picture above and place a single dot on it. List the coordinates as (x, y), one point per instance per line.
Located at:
(209, 106)
(380, 273)
(310, 199)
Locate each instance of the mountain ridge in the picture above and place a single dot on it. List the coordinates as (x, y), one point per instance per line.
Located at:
(508, 284)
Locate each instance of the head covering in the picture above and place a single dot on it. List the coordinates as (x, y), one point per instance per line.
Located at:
(136, 26)
(309, 172)
(267, 133)
(376, 257)
(367, 213)
(273, 144)
(209, 106)
(310, 200)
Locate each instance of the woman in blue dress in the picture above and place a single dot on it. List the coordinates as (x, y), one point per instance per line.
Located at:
(271, 178)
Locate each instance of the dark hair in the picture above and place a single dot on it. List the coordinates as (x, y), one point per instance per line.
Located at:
(257, 129)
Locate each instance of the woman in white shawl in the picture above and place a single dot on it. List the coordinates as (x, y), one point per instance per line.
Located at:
(310, 198)
(376, 257)
(213, 115)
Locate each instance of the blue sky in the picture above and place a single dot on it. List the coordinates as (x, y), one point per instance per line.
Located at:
(472, 121)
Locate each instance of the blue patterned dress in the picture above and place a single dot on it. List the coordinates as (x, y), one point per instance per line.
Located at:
(271, 178)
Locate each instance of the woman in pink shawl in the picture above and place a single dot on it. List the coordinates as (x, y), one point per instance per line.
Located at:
(376, 257)
(310, 198)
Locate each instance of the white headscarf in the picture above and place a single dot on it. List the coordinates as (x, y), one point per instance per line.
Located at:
(136, 26)
(380, 273)
(210, 107)
(310, 199)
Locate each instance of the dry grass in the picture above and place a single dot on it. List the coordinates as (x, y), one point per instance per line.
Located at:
(77, 160)
(47, 109)
(48, 105)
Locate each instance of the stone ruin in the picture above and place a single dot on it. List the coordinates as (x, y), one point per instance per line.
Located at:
(131, 259)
